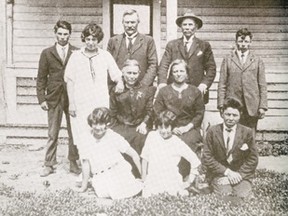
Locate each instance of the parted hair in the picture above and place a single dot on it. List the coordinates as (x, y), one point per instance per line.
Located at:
(94, 30)
(100, 115)
(62, 24)
(243, 32)
(170, 70)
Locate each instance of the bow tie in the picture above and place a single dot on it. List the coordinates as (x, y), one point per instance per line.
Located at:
(228, 130)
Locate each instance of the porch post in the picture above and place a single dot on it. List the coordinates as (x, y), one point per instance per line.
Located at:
(2, 61)
(171, 15)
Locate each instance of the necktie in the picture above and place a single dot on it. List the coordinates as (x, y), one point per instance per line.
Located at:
(242, 59)
(63, 54)
(186, 47)
(130, 44)
(228, 143)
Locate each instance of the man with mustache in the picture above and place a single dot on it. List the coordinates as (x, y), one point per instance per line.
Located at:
(134, 45)
(195, 52)
(242, 75)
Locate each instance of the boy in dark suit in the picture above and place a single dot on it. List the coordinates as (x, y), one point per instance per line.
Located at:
(52, 95)
(230, 154)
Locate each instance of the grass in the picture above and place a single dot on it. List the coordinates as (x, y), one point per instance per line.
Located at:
(270, 198)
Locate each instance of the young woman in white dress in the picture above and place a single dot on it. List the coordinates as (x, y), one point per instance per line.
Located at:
(160, 158)
(111, 174)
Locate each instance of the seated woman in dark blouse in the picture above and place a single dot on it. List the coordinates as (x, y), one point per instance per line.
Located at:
(186, 102)
(132, 109)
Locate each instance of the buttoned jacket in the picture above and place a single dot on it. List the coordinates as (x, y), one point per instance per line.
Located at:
(143, 50)
(50, 79)
(243, 81)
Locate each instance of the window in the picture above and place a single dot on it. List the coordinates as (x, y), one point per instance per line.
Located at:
(144, 9)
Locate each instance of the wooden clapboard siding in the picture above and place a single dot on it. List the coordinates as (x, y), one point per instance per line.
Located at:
(268, 21)
(33, 23)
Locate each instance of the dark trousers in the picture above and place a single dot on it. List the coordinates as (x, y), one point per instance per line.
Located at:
(249, 121)
(54, 123)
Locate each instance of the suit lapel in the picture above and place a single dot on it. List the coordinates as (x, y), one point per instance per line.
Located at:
(55, 54)
(219, 136)
(181, 48)
(193, 47)
(137, 44)
(249, 60)
(69, 52)
(237, 138)
(119, 40)
(236, 59)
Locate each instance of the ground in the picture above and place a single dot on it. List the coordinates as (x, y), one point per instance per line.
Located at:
(20, 167)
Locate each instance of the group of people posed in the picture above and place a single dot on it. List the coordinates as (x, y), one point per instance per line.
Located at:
(135, 126)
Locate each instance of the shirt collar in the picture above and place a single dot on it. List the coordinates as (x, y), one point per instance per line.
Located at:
(58, 46)
(190, 39)
(239, 53)
(233, 129)
(131, 36)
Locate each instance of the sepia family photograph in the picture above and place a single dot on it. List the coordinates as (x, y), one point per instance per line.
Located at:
(143, 107)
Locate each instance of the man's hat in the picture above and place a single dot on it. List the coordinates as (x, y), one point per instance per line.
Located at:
(191, 15)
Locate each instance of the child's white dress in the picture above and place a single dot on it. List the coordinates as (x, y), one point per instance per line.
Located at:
(163, 156)
(112, 176)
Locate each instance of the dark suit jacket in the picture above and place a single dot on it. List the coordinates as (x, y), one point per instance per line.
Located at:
(143, 50)
(50, 79)
(200, 60)
(243, 81)
(215, 158)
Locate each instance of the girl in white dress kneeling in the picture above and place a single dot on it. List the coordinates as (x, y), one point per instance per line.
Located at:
(103, 160)
(160, 158)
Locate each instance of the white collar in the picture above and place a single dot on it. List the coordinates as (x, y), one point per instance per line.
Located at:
(239, 53)
(190, 39)
(58, 46)
(131, 36)
(233, 129)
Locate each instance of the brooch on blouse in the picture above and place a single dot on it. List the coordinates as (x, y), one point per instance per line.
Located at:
(139, 95)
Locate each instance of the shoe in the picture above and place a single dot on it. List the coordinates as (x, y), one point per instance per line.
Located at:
(46, 171)
(74, 168)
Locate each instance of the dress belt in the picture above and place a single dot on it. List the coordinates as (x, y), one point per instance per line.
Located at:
(109, 168)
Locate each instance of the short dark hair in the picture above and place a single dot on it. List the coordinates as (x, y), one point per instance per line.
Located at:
(100, 115)
(165, 118)
(94, 30)
(233, 103)
(63, 24)
(243, 32)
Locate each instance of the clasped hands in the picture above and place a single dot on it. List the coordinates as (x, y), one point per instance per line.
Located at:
(233, 177)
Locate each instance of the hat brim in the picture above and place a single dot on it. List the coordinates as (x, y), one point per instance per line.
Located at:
(199, 22)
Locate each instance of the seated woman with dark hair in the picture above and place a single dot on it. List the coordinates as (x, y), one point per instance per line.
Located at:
(186, 102)
(133, 108)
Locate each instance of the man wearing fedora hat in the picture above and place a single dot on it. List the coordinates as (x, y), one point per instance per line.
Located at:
(196, 53)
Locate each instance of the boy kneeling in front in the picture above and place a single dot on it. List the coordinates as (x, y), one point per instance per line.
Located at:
(230, 154)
